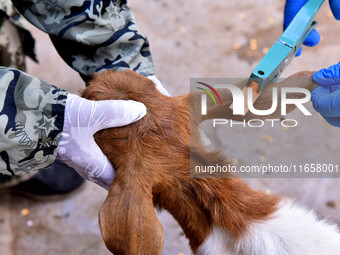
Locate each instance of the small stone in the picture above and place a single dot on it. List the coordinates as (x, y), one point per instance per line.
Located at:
(330, 14)
(253, 46)
(234, 161)
(253, 41)
(268, 138)
(25, 212)
(331, 204)
(271, 20)
(263, 159)
(265, 50)
(237, 46)
(58, 216)
(242, 16)
(182, 30)
(29, 223)
(268, 192)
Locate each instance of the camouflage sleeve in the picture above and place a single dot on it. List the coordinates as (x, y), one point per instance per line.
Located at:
(31, 121)
(91, 35)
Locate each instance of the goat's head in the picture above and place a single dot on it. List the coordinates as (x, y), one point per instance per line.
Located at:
(140, 153)
(152, 161)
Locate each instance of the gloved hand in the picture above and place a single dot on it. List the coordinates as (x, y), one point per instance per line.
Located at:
(159, 85)
(326, 98)
(291, 9)
(83, 118)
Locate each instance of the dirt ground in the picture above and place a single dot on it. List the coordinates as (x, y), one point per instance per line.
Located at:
(192, 38)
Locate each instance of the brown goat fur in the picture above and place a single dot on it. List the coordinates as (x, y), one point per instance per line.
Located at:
(152, 162)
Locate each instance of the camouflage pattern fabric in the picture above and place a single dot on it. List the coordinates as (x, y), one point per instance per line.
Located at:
(16, 42)
(11, 54)
(7, 7)
(31, 121)
(91, 35)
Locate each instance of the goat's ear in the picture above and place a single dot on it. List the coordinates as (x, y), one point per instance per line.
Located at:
(128, 221)
(263, 102)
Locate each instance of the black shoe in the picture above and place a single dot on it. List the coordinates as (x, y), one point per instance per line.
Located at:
(57, 179)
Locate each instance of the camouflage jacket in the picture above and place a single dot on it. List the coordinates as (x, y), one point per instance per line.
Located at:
(31, 121)
(90, 36)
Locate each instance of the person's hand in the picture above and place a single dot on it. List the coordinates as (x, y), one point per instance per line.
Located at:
(291, 9)
(83, 118)
(326, 97)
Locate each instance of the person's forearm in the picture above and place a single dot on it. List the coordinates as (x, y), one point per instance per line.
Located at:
(31, 121)
(92, 36)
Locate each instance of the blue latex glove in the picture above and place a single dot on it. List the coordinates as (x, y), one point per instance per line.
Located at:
(326, 98)
(291, 9)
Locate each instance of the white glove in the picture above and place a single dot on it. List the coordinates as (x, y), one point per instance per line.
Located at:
(159, 85)
(83, 118)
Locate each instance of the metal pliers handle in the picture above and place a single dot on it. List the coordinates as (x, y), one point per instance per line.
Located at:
(284, 49)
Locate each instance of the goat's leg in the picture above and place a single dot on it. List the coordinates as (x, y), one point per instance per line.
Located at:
(128, 221)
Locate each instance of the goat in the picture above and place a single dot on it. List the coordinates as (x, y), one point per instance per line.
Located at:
(218, 215)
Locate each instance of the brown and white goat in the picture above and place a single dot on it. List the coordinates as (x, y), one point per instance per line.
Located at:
(218, 216)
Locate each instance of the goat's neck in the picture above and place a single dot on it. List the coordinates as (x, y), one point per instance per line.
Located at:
(227, 203)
